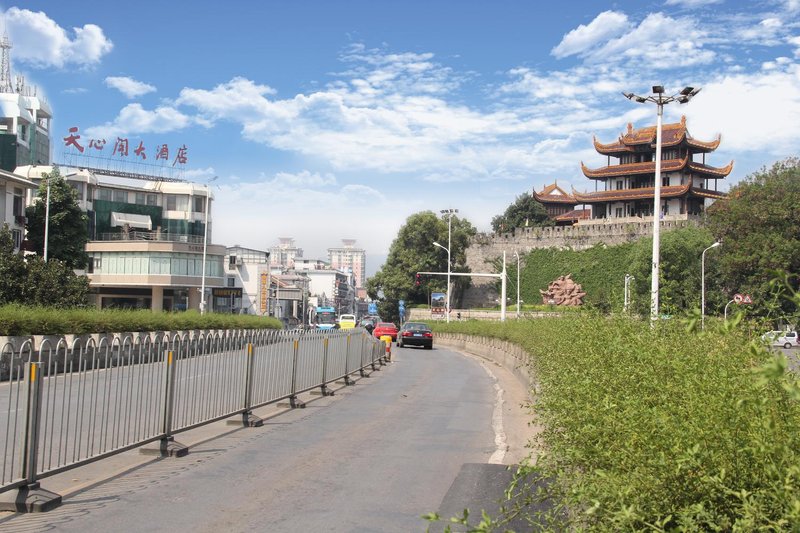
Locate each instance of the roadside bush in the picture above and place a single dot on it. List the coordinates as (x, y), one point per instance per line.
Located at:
(22, 320)
(665, 429)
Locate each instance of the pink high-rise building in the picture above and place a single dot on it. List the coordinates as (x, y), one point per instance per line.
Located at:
(349, 258)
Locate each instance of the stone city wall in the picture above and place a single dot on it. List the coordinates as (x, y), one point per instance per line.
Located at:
(486, 247)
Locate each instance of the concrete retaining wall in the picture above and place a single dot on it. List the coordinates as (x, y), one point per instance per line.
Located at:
(509, 355)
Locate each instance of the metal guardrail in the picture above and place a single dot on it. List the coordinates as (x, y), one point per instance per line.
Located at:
(66, 406)
(150, 236)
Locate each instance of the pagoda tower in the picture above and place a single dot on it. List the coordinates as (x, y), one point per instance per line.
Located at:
(627, 188)
(560, 205)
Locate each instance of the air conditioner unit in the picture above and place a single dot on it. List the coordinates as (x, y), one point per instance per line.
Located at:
(239, 261)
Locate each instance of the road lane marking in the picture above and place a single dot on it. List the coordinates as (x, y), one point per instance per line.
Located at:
(501, 446)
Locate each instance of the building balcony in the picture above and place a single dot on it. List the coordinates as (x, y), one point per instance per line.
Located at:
(150, 236)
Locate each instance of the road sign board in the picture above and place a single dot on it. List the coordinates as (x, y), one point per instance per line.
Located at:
(746, 299)
(738, 298)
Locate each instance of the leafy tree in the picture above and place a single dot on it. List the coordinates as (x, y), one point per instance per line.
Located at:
(54, 284)
(68, 233)
(679, 273)
(12, 269)
(413, 251)
(758, 226)
(525, 210)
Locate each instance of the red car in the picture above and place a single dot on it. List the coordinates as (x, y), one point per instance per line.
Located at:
(385, 328)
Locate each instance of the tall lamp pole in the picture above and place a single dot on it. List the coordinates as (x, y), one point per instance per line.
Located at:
(660, 100)
(450, 212)
(47, 220)
(205, 248)
(517, 256)
(703, 285)
(447, 304)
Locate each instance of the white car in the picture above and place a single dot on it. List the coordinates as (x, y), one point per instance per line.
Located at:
(788, 339)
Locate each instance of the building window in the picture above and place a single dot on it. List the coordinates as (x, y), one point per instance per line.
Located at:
(104, 194)
(120, 196)
(19, 203)
(17, 236)
(618, 212)
(151, 199)
(665, 181)
(140, 198)
(231, 282)
(619, 184)
(177, 202)
(199, 204)
(78, 186)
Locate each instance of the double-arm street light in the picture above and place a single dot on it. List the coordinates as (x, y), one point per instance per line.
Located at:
(703, 285)
(205, 248)
(449, 212)
(660, 100)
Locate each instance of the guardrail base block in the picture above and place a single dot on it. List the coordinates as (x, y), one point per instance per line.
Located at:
(326, 391)
(363, 373)
(294, 402)
(29, 499)
(168, 447)
(248, 420)
(348, 381)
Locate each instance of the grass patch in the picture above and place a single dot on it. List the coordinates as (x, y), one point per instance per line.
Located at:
(659, 430)
(21, 320)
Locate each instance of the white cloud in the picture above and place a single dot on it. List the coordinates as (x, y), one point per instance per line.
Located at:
(756, 113)
(692, 3)
(645, 44)
(303, 179)
(134, 119)
(128, 86)
(41, 42)
(605, 26)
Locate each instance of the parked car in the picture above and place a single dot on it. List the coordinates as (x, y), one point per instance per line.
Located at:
(385, 328)
(415, 334)
(788, 339)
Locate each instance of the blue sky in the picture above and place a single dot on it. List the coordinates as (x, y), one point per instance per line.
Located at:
(327, 120)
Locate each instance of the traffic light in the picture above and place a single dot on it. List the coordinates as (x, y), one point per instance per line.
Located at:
(419, 279)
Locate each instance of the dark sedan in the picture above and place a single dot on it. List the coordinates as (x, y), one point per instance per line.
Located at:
(415, 334)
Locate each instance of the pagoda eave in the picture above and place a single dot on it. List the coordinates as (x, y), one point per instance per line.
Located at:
(621, 195)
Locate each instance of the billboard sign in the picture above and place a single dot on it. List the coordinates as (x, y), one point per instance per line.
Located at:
(438, 304)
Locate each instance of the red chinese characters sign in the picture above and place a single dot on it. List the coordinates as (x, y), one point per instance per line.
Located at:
(121, 148)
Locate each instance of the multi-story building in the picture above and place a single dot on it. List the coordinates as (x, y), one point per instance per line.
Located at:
(627, 189)
(146, 242)
(15, 189)
(348, 258)
(285, 253)
(25, 120)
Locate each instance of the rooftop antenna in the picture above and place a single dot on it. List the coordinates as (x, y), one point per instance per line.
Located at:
(6, 85)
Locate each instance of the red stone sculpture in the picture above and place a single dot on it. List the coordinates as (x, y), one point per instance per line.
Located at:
(563, 291)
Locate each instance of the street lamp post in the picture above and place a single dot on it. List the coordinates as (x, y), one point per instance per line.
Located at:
(703, 285)
(205, 248)
(450, 212)
(660, 100)
(517, 256)
(627, 293)
(447, 304)
(47, 220)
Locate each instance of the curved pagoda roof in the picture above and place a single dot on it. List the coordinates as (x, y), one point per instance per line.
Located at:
(671, 135)
(553, 194)
(649, 167)
(646, 193)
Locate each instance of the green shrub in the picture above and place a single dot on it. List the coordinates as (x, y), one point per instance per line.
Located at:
(21, 320)
(665, 429)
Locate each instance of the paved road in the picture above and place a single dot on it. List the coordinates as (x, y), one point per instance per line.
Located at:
(373, 458)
